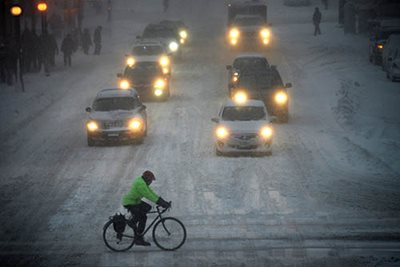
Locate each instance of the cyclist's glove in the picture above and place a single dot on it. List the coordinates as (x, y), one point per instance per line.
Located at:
(161, 202)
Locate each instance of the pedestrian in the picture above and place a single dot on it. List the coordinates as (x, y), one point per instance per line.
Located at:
(11, 62)
(27, 47)
(317, 20)
(67, 47)
(165, 5)
(34, 51)
(3, 56)
(109, 10)
(44, 52)
(97, 40)
(86, 41)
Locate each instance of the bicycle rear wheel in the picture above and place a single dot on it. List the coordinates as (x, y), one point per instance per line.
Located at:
(169, 233)
(117, 242)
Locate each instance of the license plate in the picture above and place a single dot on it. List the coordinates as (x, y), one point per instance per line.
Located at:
(112, 135)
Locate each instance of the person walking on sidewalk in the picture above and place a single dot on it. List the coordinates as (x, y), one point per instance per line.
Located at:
(97, 40)
(67, 47)
(316, 20)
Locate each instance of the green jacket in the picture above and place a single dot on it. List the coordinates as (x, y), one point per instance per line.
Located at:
(139, 190)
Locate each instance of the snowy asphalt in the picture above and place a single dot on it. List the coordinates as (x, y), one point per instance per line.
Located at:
(329, 194)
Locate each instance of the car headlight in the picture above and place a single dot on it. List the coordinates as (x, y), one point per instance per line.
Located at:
(234, 33)
(221, 132)
(265, 41)
(266, 132)
(164, 61)
(135, 124)
(165, 70)
(159, 84)
(235, 79)
(158, 92)
(281, 97)
(380, 46)
(234, 41)
(183, 34)
(173, 46)
(124, 84)
(130, 61)
(182, 41)
(265, 33)
(92, 126)
(240, 97)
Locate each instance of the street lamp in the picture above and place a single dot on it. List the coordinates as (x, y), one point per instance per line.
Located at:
(42, 8)
(16, 11)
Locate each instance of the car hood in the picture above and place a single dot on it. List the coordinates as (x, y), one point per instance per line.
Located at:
(113, 115)
(163, 41)
(147, 58)
(244, 126)
(249, 28)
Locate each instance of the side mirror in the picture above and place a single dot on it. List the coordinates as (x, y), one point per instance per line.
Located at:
(216, 120)
(273, 118)
(119, 75)
(228, 67)
(88, 109)
(288, 85)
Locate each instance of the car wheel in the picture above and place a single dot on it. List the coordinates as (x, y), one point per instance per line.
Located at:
(218, 153)
(90, 141)
(269, 153)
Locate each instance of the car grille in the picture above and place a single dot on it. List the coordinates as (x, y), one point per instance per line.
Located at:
(245, 137)
(249, 34)
(113, 124)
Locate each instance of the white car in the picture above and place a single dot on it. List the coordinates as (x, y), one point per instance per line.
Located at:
(243, 127)
(116, 115)
(150, 52)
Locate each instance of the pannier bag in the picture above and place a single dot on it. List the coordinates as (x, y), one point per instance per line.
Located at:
(119, 223)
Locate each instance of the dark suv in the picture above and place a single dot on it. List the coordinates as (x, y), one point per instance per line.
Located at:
(265, 85)
(148, 79)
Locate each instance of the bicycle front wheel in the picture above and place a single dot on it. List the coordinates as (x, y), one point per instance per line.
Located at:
(117, 242)
(169, 233)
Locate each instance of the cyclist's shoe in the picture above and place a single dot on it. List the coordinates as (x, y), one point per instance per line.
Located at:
(139, 241)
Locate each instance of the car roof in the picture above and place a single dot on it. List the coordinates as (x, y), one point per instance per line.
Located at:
(249, 103)
(116, 92)
(247, 55)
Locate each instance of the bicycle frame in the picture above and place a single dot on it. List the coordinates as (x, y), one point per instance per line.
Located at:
(155, 220)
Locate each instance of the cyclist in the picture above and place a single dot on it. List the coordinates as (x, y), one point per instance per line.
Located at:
(132, 201)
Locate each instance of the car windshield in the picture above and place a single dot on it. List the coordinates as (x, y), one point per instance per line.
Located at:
(247, 113)
(159, 33)
(248, 21)
(255, 82)
(114, 103)
(147, 50)
(251, 63)
(143, 69)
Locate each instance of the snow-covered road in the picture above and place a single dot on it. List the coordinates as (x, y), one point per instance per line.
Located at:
(329, 194)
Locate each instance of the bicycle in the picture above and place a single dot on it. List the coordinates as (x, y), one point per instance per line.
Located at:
(166, 230)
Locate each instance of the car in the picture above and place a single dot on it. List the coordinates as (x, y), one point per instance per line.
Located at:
(246, 62)
(392, 44)
(180, 28)
(393, 65)
(249, 30)
(150, 51)
(163, 34)
(243, 127)
(247, 23)
(148, 78)
(265, 85)
(116, 115)
(378, 40)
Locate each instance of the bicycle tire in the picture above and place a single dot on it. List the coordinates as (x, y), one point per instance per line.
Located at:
(163, 230)
(111, 240)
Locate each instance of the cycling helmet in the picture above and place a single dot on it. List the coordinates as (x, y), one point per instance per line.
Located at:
(149, 176)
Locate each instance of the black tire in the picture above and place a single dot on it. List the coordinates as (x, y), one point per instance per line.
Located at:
(113, 242)
(169, 230)
(90, 141)
(218, 153)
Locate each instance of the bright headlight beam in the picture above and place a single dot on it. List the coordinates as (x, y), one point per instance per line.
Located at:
(183, 34)
(135, 124)
(159, 84)
(124, 84)
(266, 132)
(92, 126)
(221, 132)
(281, 97)
(173, 46)
(240, 97)
(234, 33)
(164, 61)
(265, 33)
(130, 61)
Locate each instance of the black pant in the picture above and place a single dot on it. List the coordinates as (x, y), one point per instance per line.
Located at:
(317, 29)
(67, 59)
(139, 212)
(97, 48)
